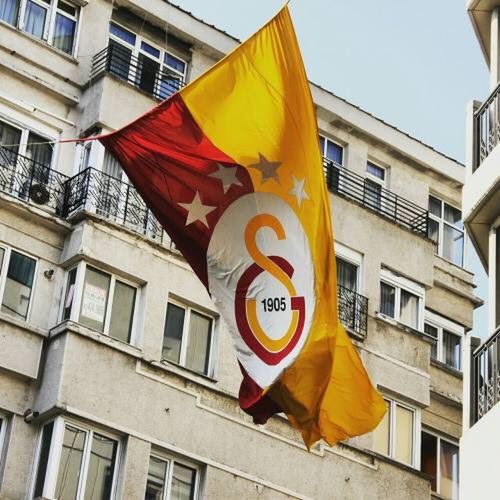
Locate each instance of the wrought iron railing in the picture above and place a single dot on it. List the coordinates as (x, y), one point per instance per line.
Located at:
(487, 127)
(485, 377)
(353, 310)
(112, 199)
(374, 197)
(142, 72)
(31, 181)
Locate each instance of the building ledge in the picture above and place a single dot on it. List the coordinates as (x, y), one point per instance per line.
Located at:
(23, 325)
(443, 366)
(407, 329)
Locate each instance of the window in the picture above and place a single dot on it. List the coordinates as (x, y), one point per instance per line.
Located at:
(448, 344)
(374, 184)
(335, 156)
(75, 462)
(3, 431)
(101, 301)
(54, 21)
(446, 229)
(439, 459)
(171, 479)
(401, 299)
(149, 67)
(17, 274)
(188, 338)
(395, 436)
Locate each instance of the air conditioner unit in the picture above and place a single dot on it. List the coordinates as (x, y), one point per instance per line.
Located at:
(39, 194)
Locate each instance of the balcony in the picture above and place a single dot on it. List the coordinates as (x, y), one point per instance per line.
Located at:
(94, 191)
(31, 182)
(485, 377)
(142, 72)
(487, 128)
(374, 197)
(353, 310)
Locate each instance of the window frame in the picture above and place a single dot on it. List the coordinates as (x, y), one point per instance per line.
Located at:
(3, 277)
(336, 143)
(377, 180)
(352, 257)
(55, 452)
(441, 324)
(188, 308)
(52, 10)
(416, 431)
(441, 223)
(75, 308)
(402, 283)
(136, 50)
(439, 438)
(171, 461)
(3, 433)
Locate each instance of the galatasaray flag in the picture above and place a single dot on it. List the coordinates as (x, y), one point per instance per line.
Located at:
(231, 167)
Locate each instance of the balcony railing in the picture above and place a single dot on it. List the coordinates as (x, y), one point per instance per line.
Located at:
(142, 72)
(487, 127)
(374, 197)
(31, 181)
(353, 310)
(112, 199)
(485, 377)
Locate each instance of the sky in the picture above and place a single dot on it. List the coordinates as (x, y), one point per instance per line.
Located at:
(413, 64)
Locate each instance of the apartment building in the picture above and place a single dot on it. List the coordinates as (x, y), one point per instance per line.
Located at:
(481, 205)
(117, 376)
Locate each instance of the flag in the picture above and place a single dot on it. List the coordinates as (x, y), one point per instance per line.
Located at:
(231, 168)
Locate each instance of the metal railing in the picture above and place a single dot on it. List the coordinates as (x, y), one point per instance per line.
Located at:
(374, 197)
(487, 127)
(142, 72)
(353, 310)
(485, 377)
(31, 181)
(112, 199)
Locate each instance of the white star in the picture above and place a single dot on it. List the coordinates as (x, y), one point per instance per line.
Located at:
(196, 210)
(227, 176)
(298, 190)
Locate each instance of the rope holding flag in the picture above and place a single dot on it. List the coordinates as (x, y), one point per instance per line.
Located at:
(231, 168)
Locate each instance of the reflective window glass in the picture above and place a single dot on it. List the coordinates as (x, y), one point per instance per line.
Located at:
(70, 463)
(122, 311)
(428, 457)
(387, 299)
(34, 19)
(9, 10)
(157, 473)
(95, 299)
(172, 337)
(409, 309)
(199, 339)
(448, 468)
(381, 435)
(183, 483)
(101, 467)
(404, 435)
(122, 33)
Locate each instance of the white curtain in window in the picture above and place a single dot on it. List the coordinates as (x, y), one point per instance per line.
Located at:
(409, 309)
(64, 33)
(9, 10)
(34, 19)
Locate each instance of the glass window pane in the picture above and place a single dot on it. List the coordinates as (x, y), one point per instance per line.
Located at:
(451, 349)
(150, 50)
(381, 441)
(64, 33)
(172, 336)
(95, 299)
(147, 72)
(334, 152)
(428, 457)
(122, 33)
(34, 19)
(70, 464)
(101, 468)
(66, 7)
(175, 63)
(43, 458)
(183, 483)
(376, 171)
(9, 10)
(347, 274)
(448, 468)
(453, 245)
(409, 309)
(199, 339)
(2, 253)
(119, 60)
(435, 206)
(404, 435)
(433, 332)
(322, 145)
(453, 215)
(17, 293)
(122, 311)
(433, 233)
(387, 299)
(373, 194)
(70, 293)
(157, 473)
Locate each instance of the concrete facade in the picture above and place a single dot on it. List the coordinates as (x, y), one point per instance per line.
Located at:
(481, 205)
(73, 398)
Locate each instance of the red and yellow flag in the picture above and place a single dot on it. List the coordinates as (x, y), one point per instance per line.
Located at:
(231, 167)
